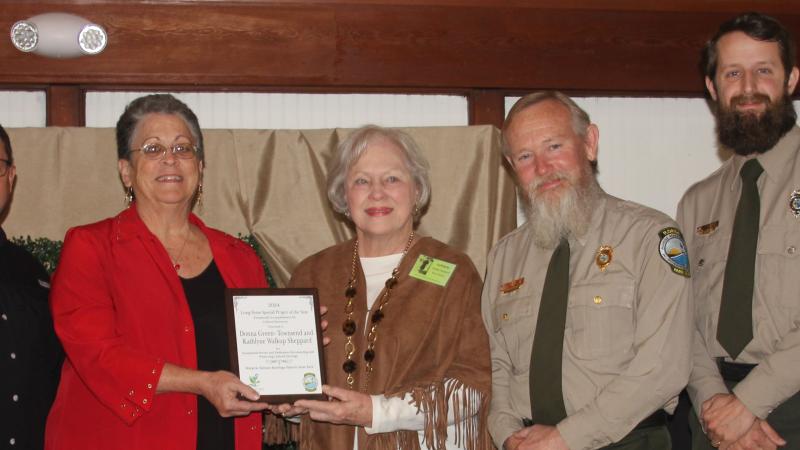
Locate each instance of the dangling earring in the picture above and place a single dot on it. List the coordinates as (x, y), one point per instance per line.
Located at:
(347, 214)
(200, 197)
(416, 211)
(129, 197)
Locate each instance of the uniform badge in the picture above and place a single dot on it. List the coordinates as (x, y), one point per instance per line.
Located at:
(673, 250)
(794, 203)
(604, 256)
(708, 228)
(511, 286)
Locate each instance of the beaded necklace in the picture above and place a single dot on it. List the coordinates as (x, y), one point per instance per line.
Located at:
(349, 326)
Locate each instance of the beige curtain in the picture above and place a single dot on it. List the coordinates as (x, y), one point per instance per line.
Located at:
(269, 183)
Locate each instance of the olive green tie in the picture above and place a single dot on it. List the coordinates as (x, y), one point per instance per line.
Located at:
(735, 328)
(547, 400)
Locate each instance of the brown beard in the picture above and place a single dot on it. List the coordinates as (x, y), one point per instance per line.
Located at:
(568, 215)
(746, 133)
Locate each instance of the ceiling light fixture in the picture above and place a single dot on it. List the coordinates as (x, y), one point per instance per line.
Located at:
(58, 35)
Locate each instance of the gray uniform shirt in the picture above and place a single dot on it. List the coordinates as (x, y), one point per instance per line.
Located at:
(628, 327)
(706, 214)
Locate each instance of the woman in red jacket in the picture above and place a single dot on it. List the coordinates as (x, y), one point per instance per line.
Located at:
(137, 302)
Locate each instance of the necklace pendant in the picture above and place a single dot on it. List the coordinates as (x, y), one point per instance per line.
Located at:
(349, 366)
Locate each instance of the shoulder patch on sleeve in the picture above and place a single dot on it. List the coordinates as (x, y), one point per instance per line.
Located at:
(672, 248)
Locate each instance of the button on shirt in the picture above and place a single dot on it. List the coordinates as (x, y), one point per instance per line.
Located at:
(628, 327)
(706, 215)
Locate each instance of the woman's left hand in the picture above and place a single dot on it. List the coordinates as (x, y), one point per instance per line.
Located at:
(344, 407)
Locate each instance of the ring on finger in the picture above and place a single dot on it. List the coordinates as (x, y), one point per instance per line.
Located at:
(715, 444)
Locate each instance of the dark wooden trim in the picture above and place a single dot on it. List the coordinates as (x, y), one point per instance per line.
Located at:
(278, 89)
(66, 106)
(486, 108)
(627, 47)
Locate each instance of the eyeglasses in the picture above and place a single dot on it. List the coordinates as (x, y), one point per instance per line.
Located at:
(156, 151)
(4, 167)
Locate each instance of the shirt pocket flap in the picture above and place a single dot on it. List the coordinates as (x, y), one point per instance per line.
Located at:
(600, 320)
(513, 306)
(777, 280)
(778, 241)
(602, 295)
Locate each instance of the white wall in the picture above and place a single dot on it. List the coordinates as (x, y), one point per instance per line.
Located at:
(652, 149)
(23, 109)
(296, 111)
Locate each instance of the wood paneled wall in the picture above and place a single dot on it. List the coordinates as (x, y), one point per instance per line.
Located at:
(483, 49)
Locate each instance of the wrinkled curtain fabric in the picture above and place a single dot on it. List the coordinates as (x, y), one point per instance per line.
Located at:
(269, 183)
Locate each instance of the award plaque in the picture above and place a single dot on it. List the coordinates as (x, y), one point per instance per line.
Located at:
(276, 342)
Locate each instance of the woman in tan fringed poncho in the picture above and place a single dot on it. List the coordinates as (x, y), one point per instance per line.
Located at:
(408, 366)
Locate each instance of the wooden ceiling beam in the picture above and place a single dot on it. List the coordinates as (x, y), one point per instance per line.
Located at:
(619, 46)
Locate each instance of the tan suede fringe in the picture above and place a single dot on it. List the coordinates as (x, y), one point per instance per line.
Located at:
(306, 433)
(470, 414)
(277, 430)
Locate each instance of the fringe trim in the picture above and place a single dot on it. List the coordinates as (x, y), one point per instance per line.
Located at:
(277, 430)
(470, 414)
(304, 434)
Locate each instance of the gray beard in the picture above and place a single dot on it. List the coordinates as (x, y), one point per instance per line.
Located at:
(569, 216)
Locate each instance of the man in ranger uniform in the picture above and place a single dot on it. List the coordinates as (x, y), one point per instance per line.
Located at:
(743, 233)
(586, 304)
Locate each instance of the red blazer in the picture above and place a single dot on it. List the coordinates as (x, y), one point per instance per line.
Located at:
(120, 312)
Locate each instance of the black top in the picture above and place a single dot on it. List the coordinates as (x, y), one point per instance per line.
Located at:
(206, 296)
(30, 354)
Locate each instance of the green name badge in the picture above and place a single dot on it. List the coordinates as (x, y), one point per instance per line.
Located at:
(432, 270)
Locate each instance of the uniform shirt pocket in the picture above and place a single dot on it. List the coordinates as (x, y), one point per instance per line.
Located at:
(778, 266)
(710, 256)
(514, 322)
(600, 319)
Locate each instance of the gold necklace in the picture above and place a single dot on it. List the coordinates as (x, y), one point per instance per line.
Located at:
(176, 262)
(349, 326)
